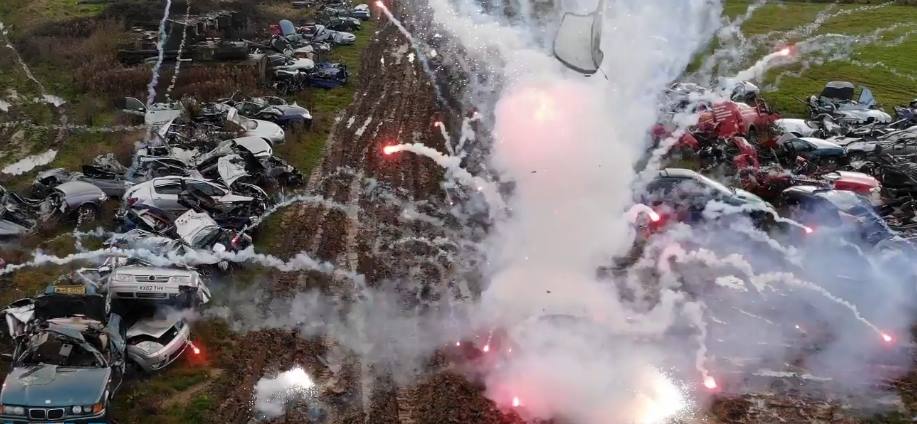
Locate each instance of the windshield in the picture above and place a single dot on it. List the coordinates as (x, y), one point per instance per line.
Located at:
(57, 349)
(206, 236)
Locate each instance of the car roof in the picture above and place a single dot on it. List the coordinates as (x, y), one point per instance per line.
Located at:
(821, 143)
(839, 84)
(74, 188)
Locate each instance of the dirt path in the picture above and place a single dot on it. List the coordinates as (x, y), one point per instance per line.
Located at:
(395, 104)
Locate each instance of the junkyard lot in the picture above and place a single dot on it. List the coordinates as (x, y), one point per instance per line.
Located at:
(143, 400)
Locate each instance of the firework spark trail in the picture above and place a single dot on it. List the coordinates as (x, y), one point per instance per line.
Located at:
(160, 46)
(446, 138)
(468, 133)
(759, 281)
(824, 16)
(304, 199)
(453, 165)
(421, 56)
(833, 47)
(181, 48)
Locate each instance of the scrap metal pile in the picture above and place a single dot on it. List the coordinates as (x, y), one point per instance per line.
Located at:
(849, 162)
(197, 186)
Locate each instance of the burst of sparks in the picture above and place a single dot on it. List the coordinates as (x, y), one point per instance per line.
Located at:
(710, 382)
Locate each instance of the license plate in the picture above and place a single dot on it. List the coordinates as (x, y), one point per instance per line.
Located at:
(152, 288)
(70, 289)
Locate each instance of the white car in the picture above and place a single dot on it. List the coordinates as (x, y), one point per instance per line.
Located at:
(253, 127)
(200, 231)
(163, 193)
(323, 34)
(139, 281)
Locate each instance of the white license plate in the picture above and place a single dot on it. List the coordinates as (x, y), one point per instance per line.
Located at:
(152, 288)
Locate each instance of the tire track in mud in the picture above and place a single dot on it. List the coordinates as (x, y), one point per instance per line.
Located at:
(396, 103)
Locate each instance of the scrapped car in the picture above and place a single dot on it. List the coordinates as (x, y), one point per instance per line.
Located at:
(199, 231)
(157, 114)
(836, 99)
(77, 199)
(131, 279)
(327, 75)
(68, 357)
(683, 195)
(320, 33)
(145, 217)
(361, 11)
(341, 23)
(163, 193)
(155, 343)
(276, 110)
(814, 150)
(252, 127)
(906, 116)
(18, 215)
(245, 162)
(857, 182)
(895, 143)
(727, 119)
(111, 184)
(851, 214)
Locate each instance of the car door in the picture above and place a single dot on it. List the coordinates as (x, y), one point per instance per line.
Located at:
(165, 194)
(217, 193)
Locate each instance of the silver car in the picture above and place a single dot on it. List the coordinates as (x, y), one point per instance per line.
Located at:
(74, 199)
(163, 193)
(154, 344)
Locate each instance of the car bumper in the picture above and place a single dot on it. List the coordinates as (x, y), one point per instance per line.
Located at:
(96, 419)
(165, 356)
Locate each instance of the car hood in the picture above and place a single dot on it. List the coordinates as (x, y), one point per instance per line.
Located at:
(268, 130)
(151, 327)
(10, 228)
(79, 188)
(864, 114)
(796, 126)
(50, 385)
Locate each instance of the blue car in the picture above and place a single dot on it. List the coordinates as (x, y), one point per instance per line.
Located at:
(328, 75)
(812, 149)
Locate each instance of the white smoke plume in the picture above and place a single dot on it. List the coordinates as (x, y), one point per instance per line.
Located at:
(273, 393)
(181, 48)
(163, 37)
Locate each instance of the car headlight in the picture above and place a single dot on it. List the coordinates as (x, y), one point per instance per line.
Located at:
(122, 278)
(13, 410)
(76, 410)
(149, 347)
(180, 279)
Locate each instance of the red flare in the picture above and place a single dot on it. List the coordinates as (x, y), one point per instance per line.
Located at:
(786, 51)
(486, 348)
(654, 216)
(388, 150)
(710, 382)
(808, 230)
(887, 338)
(380, 3)
(516, 402)
(195, 349)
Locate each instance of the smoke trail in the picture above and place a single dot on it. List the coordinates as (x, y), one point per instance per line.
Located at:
(181, 48)
(163, 37)
(421, 56)
(25, 68)
(454, 166)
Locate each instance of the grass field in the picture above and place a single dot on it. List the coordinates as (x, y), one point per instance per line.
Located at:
(890, 70)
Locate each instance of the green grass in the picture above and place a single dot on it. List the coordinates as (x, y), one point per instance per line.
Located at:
(29, 13)
(891, 87)
(305, 152)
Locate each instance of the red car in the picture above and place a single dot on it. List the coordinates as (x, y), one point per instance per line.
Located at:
(857, 182)
(729, 119)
